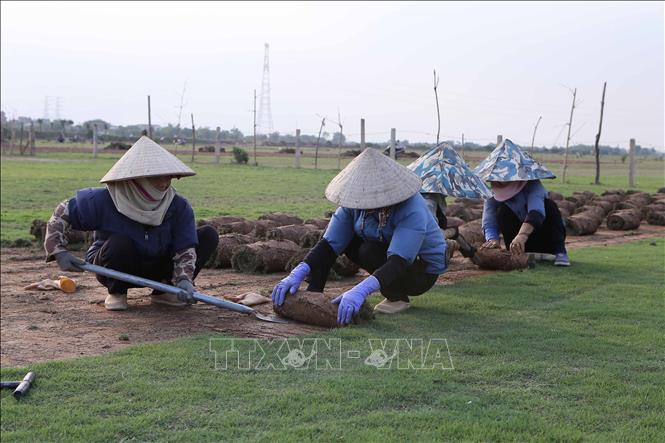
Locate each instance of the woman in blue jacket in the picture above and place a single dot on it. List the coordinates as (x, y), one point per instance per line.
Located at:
(383, 225)
(141, 225)
(520, 209)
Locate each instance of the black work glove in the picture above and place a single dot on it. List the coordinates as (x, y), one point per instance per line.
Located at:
(187, 291)
(68, 262)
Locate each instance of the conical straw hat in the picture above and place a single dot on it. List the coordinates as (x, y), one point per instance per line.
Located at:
(508, 162)
(444, 172)
(146, 159)
(372, 180)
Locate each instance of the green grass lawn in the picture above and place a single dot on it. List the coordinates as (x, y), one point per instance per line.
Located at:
(31, 188)
(545, 355)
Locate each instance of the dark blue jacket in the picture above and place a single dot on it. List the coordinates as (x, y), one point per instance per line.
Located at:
(93, 210)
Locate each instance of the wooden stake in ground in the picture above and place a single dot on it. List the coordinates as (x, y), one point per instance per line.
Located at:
(438, 113)
(193, 138)
(318, 140)
(298, 148)
(362, 134)
(533, 138)
(217, 145)
(631, 163)
(94, 140)
(255, 162)
(570, 124)
(600, 127)
(149, 120)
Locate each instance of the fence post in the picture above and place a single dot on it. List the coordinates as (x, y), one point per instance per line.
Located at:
(94, 140)
(392, 143)
(217, 145)
(362, 134)
(297, 148)
(631, 163)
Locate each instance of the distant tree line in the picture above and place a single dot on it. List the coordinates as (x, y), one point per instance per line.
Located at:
(62, 130)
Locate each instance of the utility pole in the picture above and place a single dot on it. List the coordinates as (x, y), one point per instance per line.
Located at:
(255, 162)
(393, 139)
(438, 114)
(570, 124)
(499, 139)
(533, 138)
(149, 120)
(316, 152)
(600, 127)
(362, 134)
(193, 138)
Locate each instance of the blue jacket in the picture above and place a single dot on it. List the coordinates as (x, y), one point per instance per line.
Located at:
(411, 231)
(530, 198)
(93, 210)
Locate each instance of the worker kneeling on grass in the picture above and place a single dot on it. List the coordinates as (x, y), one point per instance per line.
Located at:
(520, 209)
(384, 226)
(142, 226)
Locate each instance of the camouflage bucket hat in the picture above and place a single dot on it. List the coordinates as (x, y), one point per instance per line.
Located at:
(508, 162)
(443, 171)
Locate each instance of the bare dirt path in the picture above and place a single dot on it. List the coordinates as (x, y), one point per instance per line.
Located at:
(40, 326)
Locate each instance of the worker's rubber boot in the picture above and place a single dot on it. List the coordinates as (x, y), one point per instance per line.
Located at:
(167, 300)
(116, 302)
(392, 307)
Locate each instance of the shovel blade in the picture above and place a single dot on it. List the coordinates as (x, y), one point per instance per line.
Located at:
(270, 318)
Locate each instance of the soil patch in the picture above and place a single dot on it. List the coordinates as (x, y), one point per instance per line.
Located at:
(41, 326)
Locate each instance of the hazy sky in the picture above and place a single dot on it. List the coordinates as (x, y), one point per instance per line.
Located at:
(501, 66)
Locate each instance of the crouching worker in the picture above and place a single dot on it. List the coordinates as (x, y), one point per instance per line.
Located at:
(384, 226)
(142, 226)
(444, 173)
(520, 209)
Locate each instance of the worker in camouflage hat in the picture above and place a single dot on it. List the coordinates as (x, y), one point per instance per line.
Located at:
(142, 226)
(521, 209)
(444, 173)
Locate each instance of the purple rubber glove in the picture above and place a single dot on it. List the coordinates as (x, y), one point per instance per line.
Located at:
(290, 284)
(351, 301)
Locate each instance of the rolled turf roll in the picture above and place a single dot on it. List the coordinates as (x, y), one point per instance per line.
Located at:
(315, 308)
(624, 220)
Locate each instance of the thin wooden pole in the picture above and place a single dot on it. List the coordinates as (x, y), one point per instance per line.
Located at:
(631, 163)
(392, 142)
(94, 140)
(462, 145)
(533, 138)
(31, 138)
(438, 113)
(193, 138)
(318, 140)
(362, 134)
(570, 124)
(149, 119)
(217, 154)
(298, 153)
(600, 128)
(255, 162)
(20, 140)
(339, 142)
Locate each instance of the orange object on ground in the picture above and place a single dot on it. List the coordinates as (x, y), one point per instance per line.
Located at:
(63, 283)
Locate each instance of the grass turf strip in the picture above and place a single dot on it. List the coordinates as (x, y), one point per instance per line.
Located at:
(545, 355)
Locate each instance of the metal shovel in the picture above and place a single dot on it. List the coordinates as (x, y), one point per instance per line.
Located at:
(140, 281)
